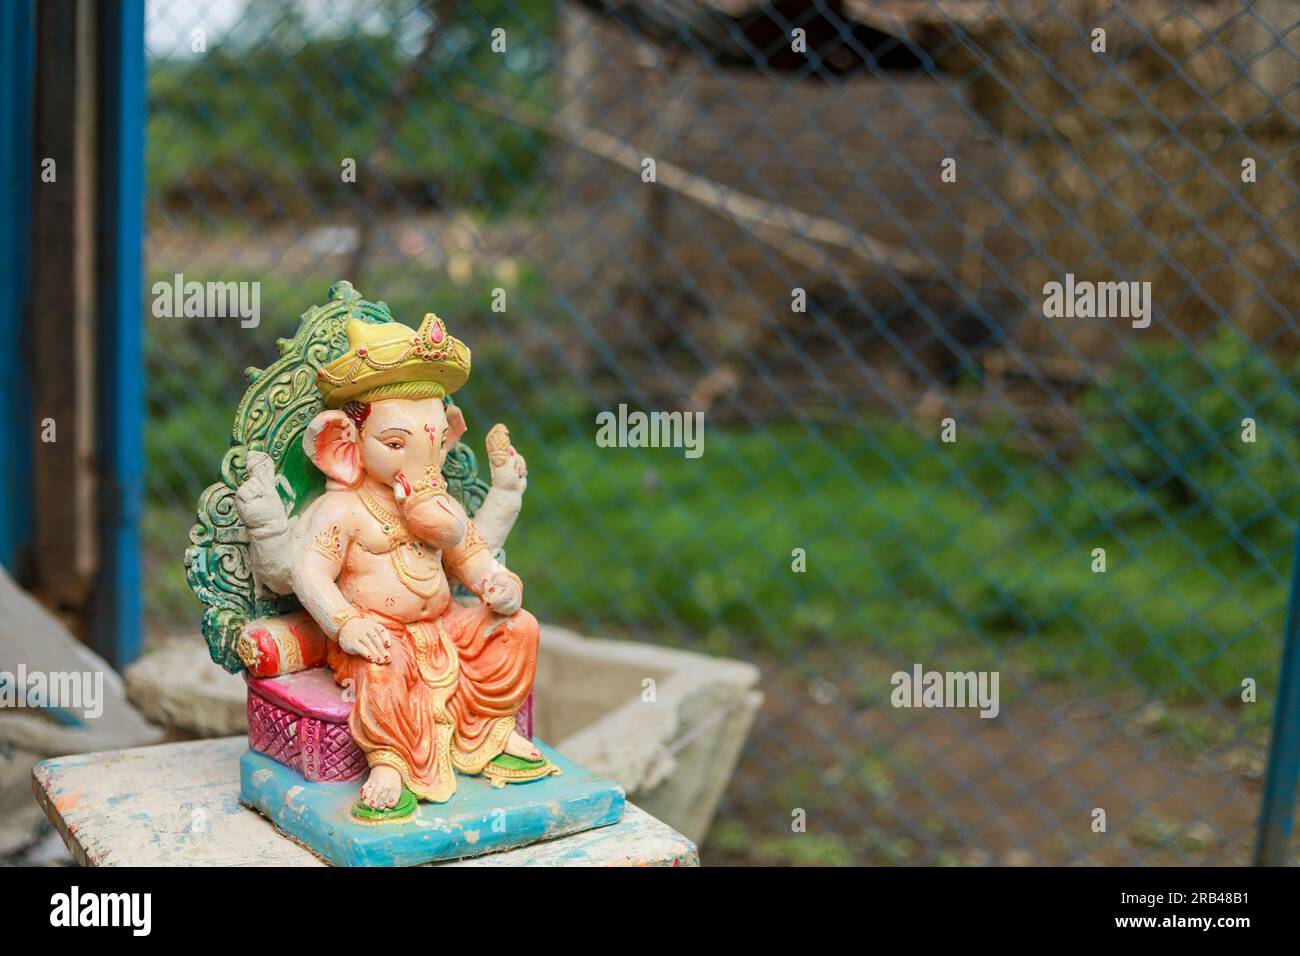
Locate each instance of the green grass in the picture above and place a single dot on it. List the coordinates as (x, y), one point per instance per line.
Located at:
(900, 562)
(912, 563)
(970, 555)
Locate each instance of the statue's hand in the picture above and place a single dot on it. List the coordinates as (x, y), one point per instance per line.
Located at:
(503, 593)
(257, 501)
(509, 470)
(366, 638)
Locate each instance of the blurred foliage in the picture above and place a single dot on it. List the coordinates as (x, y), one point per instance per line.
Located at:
(1170, 424)
(333, 85)
(974, 552)
(934, 569)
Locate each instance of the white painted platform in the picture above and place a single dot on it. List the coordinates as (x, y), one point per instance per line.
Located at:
(177, 805)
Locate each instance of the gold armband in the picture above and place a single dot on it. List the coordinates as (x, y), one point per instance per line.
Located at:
(466, 548)
(328, 543)
(342, 617)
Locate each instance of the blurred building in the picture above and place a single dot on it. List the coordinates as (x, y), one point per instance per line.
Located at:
(779, 170)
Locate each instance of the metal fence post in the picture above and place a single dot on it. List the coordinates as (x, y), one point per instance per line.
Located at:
(16, 80)
(1277, 813)
(118, 620)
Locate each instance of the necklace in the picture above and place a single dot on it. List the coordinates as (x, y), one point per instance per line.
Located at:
(389, 521)
(423, 586)
(426, 586)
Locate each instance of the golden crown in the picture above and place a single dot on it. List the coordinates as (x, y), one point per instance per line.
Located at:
(390, 360)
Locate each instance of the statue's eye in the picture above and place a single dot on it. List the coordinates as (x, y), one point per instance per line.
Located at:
(394, 444)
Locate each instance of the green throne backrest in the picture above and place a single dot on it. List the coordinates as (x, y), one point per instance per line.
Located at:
(280, 402)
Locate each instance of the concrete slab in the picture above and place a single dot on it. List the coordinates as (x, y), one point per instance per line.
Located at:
(178, 805)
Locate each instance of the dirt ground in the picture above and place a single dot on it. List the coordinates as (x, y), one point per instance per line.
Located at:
(879, 785)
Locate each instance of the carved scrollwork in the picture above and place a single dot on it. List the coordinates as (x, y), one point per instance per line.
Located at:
(461, 471)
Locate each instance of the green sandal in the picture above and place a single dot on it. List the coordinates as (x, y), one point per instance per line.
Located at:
(507, 768)
(403, 809)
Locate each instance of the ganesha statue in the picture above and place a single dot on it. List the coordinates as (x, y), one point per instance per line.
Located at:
(352, 565)
(438, 684)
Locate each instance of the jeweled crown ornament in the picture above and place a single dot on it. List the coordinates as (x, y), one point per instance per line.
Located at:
(392, 361)
(352, 565)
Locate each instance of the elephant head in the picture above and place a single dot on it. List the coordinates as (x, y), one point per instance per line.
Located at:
(394, 445)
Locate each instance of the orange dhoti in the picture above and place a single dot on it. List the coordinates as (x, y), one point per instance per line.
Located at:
(447, 700)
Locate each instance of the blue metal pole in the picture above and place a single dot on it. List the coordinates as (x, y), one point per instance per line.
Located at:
(119, 622)
(17, 79)
(1277, 814)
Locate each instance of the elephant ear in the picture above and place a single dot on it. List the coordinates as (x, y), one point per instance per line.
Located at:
(331, 443)
(455, 425)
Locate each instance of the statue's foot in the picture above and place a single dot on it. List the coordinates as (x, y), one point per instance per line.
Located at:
(383, 798)
(399, 812)
(519, 762)
(382, 788)
(520, 746)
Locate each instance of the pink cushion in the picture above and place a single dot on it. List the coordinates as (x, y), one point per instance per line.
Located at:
(300, 720)
(310, 693)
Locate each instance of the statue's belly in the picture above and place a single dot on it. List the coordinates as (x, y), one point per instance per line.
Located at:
(402, 584)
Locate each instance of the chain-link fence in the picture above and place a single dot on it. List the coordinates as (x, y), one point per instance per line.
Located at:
(833, 228)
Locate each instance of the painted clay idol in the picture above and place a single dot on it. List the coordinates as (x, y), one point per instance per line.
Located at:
(352, 564)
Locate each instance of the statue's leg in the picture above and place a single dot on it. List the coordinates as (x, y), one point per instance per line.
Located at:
(498, 662)
(395, 718)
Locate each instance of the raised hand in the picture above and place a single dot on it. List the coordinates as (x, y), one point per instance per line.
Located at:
(257, 500)
(509, 470)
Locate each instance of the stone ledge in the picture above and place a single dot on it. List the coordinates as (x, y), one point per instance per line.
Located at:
(178, 804)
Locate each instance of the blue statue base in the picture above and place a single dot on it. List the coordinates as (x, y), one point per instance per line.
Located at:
(479, 819)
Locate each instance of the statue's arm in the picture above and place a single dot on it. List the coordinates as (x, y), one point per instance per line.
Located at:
(496, 516)
(472, 564)
(315, 571)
